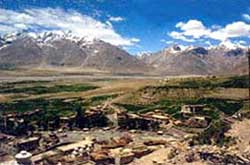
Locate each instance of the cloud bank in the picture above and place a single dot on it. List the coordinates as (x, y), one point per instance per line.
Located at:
(48, 19)
(194, 30)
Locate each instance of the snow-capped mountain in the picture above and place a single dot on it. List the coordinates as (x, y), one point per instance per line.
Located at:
(63, 49)
(219, 59)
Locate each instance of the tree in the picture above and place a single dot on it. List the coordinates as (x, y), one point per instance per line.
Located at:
(79, 120)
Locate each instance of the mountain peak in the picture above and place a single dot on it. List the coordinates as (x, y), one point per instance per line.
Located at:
(199, 51)
(173, 49)
(176, 47)
(60, 49)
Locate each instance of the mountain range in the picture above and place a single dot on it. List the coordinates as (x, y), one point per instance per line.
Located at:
(218, 60)
(64, 50)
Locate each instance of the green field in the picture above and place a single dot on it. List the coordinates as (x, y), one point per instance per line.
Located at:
(222, 97)
(38, 89)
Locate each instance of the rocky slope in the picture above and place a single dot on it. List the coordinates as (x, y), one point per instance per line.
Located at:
(65, 50)
(198, 60)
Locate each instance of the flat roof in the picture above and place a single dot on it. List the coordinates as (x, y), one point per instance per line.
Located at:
(31, 139)
(72, 146)
(194, 105)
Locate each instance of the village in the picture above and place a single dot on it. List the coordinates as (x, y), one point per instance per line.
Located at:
(104, 138)
(129, 82)
(97, 137)
(154, 124)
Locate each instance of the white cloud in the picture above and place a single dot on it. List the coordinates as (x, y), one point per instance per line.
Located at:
(180, 36)
(233, 44)
(7, 28)
(195, 29)
(233, 30)
(246, 17)
(116, 19)
(135, 40)
(242, 42)
(229, 44)
(58, 19)
(168, 42)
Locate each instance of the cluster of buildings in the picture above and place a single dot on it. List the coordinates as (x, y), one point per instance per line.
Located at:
(19, 124)
(150, 121)
(121, 149)
(49, 147)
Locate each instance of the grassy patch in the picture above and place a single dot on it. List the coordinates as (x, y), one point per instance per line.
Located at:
(50, 107)
(236, 82)
(197, 84)
(26, 82)
(47, 89)
(61, 107)
(232, 82)
(131, 107)
(215, 134)
(168, 106)
(245, 110)
(173, 107)
(229, 107)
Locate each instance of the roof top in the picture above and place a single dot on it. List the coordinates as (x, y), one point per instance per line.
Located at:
(194, 105)
(31, 139)
(72, 146)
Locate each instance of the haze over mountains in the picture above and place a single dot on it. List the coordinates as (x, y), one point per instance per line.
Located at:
(63, 50)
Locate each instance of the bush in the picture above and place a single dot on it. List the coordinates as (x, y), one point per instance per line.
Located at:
(236, 82)
(215, 134)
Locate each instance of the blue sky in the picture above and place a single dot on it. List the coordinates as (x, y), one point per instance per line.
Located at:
(135, 25)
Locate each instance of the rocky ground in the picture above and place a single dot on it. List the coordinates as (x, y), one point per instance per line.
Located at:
(165, 149)
(179, 152)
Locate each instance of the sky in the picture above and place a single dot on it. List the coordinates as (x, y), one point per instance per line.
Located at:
(135, 25)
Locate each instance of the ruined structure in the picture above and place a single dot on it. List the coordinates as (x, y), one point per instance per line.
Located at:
(197, 122)
(133, 121)
(85, 145)
(28, 144)
(157, 116)
(19, 123)
(192, 109)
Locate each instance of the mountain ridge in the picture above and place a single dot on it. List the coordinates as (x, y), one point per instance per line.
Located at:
(219, 60)
(48, 50)
(53, 50)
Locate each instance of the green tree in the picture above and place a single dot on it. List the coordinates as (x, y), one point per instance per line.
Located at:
(79, 120)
